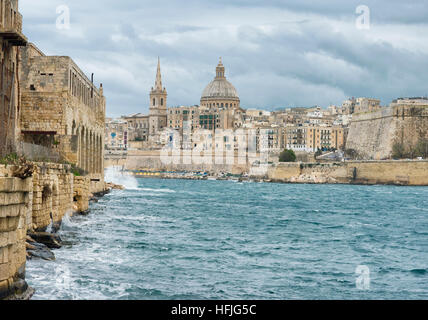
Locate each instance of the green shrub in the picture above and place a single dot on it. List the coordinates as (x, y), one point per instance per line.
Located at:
(287, 156)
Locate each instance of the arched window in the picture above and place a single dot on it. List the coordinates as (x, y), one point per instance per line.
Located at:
(161, 101)
(154, 102)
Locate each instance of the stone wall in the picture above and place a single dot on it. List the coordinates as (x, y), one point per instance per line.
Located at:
(15, 206)
(62, 109)
(81, 194)
(413, 173)
(373, 135)
(11, 38)
(31, 205)
(52, 194)
(152, 160)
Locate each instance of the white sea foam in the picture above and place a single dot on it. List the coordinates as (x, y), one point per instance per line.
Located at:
(66, 220)
(158, 190)
(115, 175)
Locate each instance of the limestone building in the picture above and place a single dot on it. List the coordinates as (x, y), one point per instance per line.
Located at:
(367, 105)
(138, 127)
(62, 110)
(11, 39)
(116, 135)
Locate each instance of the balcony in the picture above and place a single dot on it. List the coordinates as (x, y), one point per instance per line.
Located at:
(11, 25)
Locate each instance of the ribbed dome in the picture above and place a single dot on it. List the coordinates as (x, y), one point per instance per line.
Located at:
(220, 88)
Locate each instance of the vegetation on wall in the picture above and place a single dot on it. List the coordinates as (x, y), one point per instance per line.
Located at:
(287, 156)
(402, 151)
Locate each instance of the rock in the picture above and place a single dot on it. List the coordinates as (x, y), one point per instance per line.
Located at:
(41, 251)
(29, 239)
(56, 226)
(29, 246)
(52, 241)
(113, 186)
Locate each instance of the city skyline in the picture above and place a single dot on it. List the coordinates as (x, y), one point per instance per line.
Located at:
(321, 58)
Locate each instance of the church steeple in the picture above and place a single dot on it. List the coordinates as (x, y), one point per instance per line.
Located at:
(220, 70)
(158, 84)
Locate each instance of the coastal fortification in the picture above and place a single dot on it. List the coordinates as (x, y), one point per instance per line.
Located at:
(30, 205)
(404, 173)
(373, 135)
(52, 120)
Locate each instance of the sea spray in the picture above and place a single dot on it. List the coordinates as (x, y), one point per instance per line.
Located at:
(117, 176)
(66, 221)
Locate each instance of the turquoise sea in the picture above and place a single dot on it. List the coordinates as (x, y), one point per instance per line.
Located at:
(182, 239)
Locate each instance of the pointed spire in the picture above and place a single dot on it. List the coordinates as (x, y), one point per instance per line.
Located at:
(158, 84)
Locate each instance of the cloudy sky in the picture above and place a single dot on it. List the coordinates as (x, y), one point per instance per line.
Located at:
(277, 53)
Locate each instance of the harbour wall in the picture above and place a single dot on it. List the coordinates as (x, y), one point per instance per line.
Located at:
(31, 205)
(410, 173)
(359, 172)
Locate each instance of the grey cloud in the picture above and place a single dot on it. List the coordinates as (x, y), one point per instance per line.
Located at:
(277, 53)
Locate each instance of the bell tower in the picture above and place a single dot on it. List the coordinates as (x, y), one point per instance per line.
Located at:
(158, 103)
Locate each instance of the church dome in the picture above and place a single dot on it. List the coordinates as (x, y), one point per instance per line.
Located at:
(220, 88)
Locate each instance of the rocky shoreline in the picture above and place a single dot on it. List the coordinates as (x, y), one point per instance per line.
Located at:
(42, 245)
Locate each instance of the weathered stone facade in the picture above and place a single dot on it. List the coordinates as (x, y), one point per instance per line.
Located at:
(81, 194)
(15, 208)
(52, 195)
(10, 39)
(33, 204)
(374, 134)
(62, 109)
(410, 173)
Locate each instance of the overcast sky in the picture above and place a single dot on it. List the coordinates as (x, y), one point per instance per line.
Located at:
(276, 53)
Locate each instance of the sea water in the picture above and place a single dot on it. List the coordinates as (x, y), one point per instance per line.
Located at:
(182, 239)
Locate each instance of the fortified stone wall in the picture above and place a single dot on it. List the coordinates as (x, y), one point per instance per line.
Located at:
(31, 205)
(413, 173)
(373, 135)
(151, 160)
(15, 206)
(81, 194)
(52, 195)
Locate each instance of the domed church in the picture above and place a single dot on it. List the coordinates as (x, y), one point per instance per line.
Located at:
(220, 93)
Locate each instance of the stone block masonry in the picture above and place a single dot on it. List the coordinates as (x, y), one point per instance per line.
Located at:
(374, 134)
(62, 109)
(15, 206)
(409, 173)
(32, 205)
(52, 194)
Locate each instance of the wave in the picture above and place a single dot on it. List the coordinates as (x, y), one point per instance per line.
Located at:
(157, 190)
(419, 272)
(115, 175)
